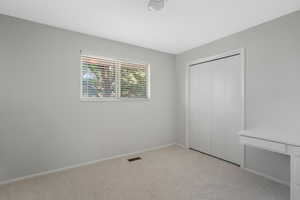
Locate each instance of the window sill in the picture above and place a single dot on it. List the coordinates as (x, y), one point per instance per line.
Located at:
(91, 99)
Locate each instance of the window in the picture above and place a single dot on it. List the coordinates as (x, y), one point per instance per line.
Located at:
(108, 79)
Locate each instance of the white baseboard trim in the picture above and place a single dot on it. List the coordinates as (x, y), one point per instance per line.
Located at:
(268, 177)
(181, 145)
(82, 164)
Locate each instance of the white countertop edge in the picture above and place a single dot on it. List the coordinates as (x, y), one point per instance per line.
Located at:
(269, 137)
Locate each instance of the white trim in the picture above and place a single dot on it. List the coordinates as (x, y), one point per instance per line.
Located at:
(187, 107)
(242, 147)
(242, 53)
(268, 177)
(83, 164)
(294, 155)
(292, 176)
(242, 155)
(113, 59)
(148, 85)
(243, 81)
(218, 56)
(180, 145)
(108, 99)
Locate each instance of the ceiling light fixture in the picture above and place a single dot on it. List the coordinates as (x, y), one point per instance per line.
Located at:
(156, 5)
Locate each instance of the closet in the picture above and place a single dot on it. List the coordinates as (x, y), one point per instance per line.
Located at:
(216, 106)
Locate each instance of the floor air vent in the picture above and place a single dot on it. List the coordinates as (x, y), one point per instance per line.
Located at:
(134, 159)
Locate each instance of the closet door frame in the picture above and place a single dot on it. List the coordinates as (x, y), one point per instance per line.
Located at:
(242, 53)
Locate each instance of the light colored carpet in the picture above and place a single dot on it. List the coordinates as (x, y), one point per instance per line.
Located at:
(171, 173)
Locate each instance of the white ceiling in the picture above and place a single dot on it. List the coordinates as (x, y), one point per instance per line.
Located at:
(182, 25)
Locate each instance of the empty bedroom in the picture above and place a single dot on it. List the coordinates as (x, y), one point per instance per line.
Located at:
(149, 100)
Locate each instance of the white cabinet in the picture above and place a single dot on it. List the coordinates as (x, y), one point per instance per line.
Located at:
(279, 146)
(216, 107)
(295, 173)
(264, 144)
(296, 192)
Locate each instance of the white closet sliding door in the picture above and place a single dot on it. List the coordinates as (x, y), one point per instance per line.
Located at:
(216, 107)
(200, 107)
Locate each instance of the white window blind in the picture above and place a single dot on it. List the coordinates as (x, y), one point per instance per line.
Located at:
(133, 80)
(104, 79)
(98, 77)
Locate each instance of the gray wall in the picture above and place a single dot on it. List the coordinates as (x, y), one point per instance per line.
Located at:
(43, 124)
(272, 83)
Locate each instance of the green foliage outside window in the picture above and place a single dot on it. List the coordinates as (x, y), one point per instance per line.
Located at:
(103, 80)
(133, 82)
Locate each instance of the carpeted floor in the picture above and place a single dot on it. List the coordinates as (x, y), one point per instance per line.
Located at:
(171, 173)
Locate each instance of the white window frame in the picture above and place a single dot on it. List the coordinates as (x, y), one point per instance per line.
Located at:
(118, 74)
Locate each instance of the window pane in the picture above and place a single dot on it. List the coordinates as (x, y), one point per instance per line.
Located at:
(133, 81)
(108, 78)
(98, 80)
